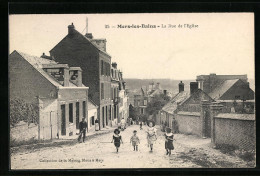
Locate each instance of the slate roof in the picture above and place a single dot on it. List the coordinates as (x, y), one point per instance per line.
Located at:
(236, 116)
(222, 88)
(171, 106)
(37, 63)
(89, 40)
(91, 104)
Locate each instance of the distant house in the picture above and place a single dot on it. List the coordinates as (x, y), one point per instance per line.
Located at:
(226, 87)
(56, 89)
(141, 100)
(92, 115)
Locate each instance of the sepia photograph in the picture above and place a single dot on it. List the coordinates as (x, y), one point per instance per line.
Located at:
(132, 90)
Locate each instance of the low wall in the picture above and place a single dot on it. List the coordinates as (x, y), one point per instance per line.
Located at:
(23, 133)
(235, 129)
(189, 122)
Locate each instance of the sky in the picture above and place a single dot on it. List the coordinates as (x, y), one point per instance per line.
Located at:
(223, 43)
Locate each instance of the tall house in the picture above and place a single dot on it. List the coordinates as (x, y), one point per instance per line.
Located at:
(90, 55)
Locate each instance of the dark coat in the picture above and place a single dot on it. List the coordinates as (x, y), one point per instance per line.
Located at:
(169, 142)
(82, 125)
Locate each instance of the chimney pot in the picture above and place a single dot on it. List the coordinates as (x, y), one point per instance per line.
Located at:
(71, 29)
(181, 87)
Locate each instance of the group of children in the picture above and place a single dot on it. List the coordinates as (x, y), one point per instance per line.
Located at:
(151, 138)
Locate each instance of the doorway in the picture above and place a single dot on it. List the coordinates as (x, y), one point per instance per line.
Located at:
(63, 120)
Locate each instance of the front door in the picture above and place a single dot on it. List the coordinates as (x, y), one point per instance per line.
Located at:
(77, 115)
(63, 120)
(207, 124)
(103, 117)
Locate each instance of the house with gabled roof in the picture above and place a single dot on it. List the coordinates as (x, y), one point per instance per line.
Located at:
(184, 108)
(226, 87)
(91, 56)
(55, 89)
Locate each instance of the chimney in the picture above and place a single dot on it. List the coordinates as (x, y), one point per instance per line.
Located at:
(165, 92)
(71, 29)
(89, 35)
(114, 65)
(193, 87)
(60, 72)
(181, 87)
(76, 75)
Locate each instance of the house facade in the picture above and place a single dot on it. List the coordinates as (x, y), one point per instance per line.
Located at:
(92, 115)
(55, 89)
(115, 94)
(90, 55)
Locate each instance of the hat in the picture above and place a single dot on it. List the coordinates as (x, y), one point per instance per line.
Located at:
(135, 131)
(117, 131)
(168, 130)
(148, 122)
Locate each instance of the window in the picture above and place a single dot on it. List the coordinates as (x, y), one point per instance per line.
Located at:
(84, 108)
(71, 113)
(102, 67)
(102, 91)
(142, 111)
(145, 102)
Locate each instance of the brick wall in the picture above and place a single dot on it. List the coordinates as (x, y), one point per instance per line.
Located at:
(239, 133)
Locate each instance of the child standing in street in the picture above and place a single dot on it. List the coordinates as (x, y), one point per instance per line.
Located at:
(117, 139)
(168, 141)
(135, 141)
(151, 134)
(141, 124)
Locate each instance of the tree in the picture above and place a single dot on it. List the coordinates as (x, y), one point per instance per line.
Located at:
(132, 112)
(157, 103)
(22, 111)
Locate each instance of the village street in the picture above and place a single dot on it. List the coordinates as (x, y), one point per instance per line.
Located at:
(97, 152)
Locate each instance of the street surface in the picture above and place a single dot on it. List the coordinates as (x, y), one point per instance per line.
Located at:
(97, 152)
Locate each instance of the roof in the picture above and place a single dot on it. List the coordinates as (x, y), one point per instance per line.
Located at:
(222, 88)
(198, 91)
(38, 62)
(236, 116)
(91, 104)
(189, 113)
(156, 92)
(89, 40)
(171, 106)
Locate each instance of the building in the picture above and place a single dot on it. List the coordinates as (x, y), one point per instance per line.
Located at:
(141, 100)
(226, 87)
(115, 93)
(90, 54)
(92, 115)
(55, 89)
(123, 102)
(178, 113)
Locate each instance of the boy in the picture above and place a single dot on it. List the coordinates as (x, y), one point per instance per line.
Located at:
(135, 141)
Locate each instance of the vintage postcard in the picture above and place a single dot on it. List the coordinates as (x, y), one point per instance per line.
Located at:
(144, 90)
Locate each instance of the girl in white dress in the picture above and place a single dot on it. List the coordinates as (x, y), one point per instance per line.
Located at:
(151, 134)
